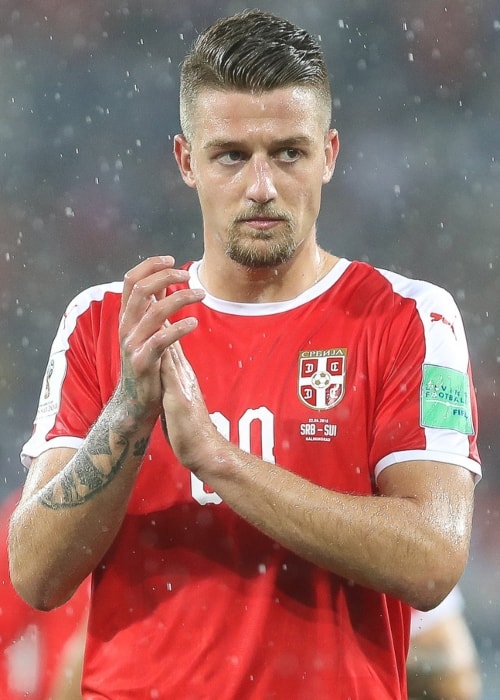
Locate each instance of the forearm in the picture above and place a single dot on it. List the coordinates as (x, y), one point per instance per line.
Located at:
(66, 522)
(388, 543)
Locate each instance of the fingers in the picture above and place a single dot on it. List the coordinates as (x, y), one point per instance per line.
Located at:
(154, 333)
(185, 419)
(145, 329)
(146, 308)
(150, 266)
(154, 346)
(174, 360)
(147, 282)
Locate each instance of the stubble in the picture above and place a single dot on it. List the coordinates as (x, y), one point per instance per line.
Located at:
(256, 248)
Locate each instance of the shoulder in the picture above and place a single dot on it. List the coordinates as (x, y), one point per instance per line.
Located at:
(396, 283)
(92, 308)
(108, 293)
(102, 297)
(421, 291)
(377, 288)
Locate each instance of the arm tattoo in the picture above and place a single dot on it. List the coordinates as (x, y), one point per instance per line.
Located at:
(98, 445)
(140, 447)
(95, 465)
(81, 479)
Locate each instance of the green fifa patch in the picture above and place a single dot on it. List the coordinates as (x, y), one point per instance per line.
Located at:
(445, 400)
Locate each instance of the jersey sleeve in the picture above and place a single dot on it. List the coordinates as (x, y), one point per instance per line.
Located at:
(426, 408)
(71, 395)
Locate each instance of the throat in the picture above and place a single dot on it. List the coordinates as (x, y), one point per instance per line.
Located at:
(241, 284)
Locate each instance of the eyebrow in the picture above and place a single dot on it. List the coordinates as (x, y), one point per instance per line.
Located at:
(275, 144)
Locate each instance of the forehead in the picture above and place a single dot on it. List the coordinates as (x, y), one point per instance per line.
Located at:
(235, 114)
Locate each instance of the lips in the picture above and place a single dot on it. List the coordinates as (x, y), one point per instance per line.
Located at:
(262, 224)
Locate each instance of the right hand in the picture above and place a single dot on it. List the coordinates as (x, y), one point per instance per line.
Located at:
(145, 331)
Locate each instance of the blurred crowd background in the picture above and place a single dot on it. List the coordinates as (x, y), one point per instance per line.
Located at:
(88, 185)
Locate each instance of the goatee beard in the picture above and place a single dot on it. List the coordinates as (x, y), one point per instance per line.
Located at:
(261, 248)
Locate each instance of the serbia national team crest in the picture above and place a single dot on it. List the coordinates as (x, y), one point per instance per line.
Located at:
(322, 377)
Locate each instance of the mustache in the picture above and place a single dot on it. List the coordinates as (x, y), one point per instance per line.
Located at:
(263, 211)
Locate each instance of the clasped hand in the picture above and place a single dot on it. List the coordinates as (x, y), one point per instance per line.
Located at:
(156, 376)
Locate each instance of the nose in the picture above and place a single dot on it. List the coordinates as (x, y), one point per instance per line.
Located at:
(260, 185)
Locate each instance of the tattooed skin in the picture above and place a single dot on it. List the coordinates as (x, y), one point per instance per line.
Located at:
(140, 447)
(99, 460)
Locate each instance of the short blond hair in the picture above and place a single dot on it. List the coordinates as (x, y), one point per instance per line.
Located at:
(252, 51)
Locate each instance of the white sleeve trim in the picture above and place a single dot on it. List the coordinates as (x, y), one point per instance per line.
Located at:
(34, 448)
(428, 455)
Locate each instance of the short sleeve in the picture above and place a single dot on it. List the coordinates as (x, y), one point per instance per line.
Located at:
(426, 406)
(75, 385)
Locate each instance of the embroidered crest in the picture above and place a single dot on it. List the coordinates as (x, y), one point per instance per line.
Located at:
(322, 377)
(50, 397)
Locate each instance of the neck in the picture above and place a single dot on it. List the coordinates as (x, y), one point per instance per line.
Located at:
(234, 282)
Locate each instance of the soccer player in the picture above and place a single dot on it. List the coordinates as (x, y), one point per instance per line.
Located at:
(35, 646)
(443, 662)
(267, 456)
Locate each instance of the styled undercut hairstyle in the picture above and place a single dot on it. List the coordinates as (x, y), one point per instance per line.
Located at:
(252, 51)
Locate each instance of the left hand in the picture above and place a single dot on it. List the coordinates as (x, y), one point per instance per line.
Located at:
(186, 421)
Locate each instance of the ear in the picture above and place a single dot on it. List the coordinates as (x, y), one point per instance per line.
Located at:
(331, 152)
(182, 154)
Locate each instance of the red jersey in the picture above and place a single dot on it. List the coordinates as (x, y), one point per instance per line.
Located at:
(363, 370)
(32, 643)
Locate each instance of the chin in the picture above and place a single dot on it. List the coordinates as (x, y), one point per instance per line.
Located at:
(268, 254)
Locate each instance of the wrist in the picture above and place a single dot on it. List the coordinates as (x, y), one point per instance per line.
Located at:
(129, 415)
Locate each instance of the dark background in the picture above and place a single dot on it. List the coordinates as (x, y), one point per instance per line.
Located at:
(88, 185)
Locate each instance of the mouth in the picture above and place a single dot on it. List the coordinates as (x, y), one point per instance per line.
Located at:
(262, 223)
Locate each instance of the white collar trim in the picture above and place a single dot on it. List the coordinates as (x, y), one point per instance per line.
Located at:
(268, 308)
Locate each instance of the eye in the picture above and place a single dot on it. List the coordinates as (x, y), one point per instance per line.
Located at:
(230, 157)
(289, 155)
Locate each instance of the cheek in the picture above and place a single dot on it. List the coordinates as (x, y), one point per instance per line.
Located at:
(308, 195)
(213, 203)
(309, 202)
